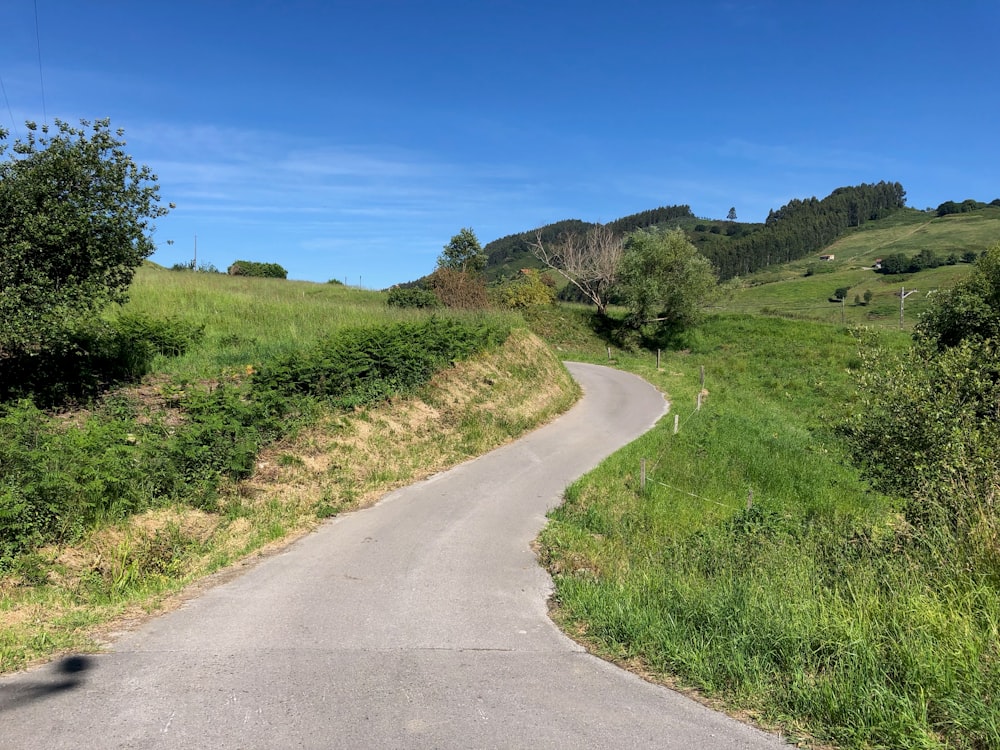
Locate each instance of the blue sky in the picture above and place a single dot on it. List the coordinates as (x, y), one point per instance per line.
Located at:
(351, 140)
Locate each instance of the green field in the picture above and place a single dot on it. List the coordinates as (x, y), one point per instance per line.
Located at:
(787, 291)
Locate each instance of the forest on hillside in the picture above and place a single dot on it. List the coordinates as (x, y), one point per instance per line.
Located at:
(800, 227)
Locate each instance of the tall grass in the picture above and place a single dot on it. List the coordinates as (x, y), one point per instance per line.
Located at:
(811, 605)
(251, 320)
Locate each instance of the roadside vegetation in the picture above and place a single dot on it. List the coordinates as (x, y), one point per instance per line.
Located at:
(760, 566)
(111, 509)
(812, 541)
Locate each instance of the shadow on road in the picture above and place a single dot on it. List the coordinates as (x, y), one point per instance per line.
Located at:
(65, 674)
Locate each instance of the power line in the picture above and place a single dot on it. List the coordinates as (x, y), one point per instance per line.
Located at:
(3, 89)
(41, 80)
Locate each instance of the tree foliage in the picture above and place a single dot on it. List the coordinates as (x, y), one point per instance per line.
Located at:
(257, 269)
(75, 213)
(463, 253)
(804, 226)
(969, 311)
(663, 280)
(529, 289)
(929, 423)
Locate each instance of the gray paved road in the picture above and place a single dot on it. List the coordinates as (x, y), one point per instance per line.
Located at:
(418, 623)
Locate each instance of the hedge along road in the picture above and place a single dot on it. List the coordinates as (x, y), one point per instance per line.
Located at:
(417, 623)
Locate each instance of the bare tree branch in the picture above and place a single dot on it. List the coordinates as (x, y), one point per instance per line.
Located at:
(589, 262)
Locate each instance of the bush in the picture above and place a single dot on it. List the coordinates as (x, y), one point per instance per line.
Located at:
(361, 365)
(168, 336)
(411, 297)
(89, 360)
(527, 290)
(459, 290)
(93, 357)
(259, 270)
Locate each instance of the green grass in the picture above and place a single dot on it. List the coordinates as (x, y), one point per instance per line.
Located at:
(251, 320)
(815, 608)
(118, 506)
(787, 291)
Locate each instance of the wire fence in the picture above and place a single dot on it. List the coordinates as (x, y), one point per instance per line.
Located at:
(654, 465)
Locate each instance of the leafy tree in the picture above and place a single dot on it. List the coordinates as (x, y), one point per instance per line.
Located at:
(927, 428)
(732, 214)
(841, 293)
(463, 253)
(896, 263)
(970, 311)
(527, 290)
(868, 296)
(926, 258)
(75, 213)
(664, 280)
(258, 270)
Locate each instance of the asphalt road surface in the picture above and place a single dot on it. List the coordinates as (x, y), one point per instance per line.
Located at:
(417, 623)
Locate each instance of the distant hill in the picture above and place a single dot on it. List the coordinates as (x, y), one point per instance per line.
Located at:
(508, 255)
(736, 248)
(803, 288)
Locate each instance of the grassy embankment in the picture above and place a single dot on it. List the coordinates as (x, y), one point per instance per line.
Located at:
(814, 607)
(64, 596)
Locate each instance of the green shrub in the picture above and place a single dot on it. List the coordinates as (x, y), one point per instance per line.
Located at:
(363, 365)
(260, 270)
(80, 366)
(527, 290)
(411, 297)
(169, 336)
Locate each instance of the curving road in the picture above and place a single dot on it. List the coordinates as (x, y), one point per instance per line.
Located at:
(417, 623)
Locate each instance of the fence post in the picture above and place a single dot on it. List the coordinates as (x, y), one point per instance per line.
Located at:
(677, 423)
(609, 354)
(657, 359)
(698, 408)
(642, 476)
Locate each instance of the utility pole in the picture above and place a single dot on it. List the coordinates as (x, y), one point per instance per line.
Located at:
(903, 294)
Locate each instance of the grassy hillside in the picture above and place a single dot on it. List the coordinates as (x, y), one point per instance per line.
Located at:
(250, 438)
(249, 320)
(802, 289)
(757, 567)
